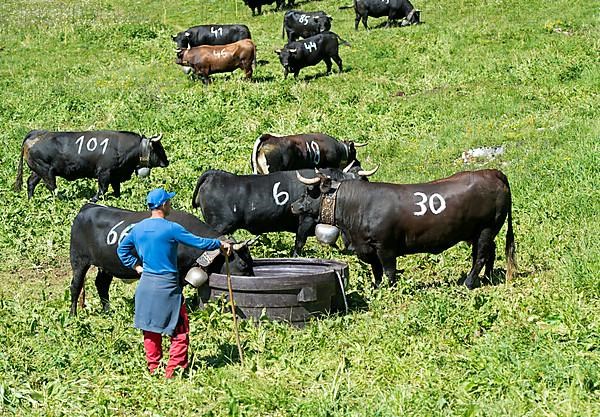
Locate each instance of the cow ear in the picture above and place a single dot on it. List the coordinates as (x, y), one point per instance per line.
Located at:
(187, 34)
(325, 185)
(174, 38)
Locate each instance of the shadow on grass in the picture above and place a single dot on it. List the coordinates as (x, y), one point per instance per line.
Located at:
(228, 355)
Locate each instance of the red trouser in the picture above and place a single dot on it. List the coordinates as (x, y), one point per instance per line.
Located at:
(179, 346)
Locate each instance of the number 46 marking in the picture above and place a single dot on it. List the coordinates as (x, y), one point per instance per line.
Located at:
(432, 206)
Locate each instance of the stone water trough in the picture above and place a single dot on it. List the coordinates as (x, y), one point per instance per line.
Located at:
(286, 289)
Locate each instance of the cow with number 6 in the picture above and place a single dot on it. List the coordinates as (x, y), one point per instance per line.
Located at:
(259, 203)
(110, 156)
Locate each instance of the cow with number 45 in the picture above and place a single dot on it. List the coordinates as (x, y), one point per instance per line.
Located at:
(110, 156)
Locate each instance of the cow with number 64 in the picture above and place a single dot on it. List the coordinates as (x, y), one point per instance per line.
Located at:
(110, 156)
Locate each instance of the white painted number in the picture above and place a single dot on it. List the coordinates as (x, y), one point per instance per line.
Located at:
(280, 197)
(441, 203)
(91, 144)
(113, 237)
(216, 32)
(310, 46)
(313, 152)
(303, 19)
(220, 53)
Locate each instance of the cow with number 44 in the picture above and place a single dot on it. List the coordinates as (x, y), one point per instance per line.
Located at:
(110, 156)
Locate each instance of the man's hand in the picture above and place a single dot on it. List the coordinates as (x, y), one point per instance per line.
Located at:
(139, 269)
(226, 248)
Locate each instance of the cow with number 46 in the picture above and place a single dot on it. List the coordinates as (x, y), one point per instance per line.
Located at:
(110, 156)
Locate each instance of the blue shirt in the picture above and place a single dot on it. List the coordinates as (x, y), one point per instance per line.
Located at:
(156, 241)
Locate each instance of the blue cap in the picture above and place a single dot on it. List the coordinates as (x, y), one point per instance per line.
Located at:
(158, 197)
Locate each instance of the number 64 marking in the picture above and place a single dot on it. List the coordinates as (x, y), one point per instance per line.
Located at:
(432, 207)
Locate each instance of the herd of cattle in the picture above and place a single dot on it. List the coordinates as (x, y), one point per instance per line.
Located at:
(208, 49)
(309, 184)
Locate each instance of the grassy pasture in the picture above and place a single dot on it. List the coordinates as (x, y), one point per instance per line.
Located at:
(523, 74)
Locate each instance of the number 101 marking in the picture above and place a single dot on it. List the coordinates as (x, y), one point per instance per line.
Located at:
(91, 144)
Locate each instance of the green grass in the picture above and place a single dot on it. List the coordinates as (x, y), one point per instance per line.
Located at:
(523, 74)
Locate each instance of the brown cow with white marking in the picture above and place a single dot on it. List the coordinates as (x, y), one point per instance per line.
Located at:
(206, 59)
(308, 150)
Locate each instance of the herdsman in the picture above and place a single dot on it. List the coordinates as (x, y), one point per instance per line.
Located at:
(159, 303)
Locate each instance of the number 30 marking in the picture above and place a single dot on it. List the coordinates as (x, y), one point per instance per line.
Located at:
(432, 206)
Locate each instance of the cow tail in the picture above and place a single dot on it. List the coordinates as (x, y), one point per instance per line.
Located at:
(283, 29)
(19, 180)
(342, 41)
(254, 160)
(509, 250)
(345, 7)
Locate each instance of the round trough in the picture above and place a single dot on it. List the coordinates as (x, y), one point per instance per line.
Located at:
(286, 289)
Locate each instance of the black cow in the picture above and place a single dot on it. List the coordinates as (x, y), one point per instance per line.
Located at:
(258, 203)
(299, 24)
(393, 9)
(211, 35)
(110, 156)
(312, 150)
(321, 47)
(256, 5)
(97, 231)
(384, 221)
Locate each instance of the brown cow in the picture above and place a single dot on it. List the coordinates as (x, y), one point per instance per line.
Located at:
(206, 59)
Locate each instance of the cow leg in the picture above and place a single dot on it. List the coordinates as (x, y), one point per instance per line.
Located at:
(296, 73)
(32, 182)
(387, 259)
(489, 262)
(79, 271)
(205, 79)
(116, 185)
(103, 183)
(481, 248)
(327, 61)
(364, 20)
(50, 181)
(356, 21)
(103, 281)
(306, 227)
(338, 61)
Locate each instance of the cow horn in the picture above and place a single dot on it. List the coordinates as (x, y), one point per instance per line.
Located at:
(368, 173)
(156, 138)
(187, 34)
(293, 50)
(277, 51)
(345, 170)
(330, 16)
(360, 145)
(307, 181)
(177, 50)
(189, 46)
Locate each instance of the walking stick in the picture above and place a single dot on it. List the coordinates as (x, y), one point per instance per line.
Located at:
(235, 325)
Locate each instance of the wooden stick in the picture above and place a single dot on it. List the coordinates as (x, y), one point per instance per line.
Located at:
(235, 325)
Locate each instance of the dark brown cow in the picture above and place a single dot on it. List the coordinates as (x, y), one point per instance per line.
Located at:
(310, 150)
(384, 221)
(206, 59)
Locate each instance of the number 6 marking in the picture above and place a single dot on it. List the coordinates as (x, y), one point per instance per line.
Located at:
(277, 196)
(435, 196)
(111, 237)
